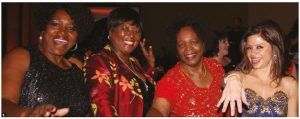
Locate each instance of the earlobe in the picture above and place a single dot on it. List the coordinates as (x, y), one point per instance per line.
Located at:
(41, 36)
(109, 34)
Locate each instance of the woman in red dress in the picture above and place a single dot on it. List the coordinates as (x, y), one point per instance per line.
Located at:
(193, 86)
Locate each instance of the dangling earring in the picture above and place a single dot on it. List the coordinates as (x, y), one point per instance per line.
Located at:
(108, 37)
(275, 57)
(75, 48)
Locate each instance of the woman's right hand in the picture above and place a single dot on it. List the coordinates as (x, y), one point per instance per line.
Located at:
(47, 110)
(233, 93)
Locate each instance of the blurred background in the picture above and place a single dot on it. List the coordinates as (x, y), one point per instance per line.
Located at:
(18, 18)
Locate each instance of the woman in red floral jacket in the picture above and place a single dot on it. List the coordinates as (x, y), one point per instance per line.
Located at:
(118, 85)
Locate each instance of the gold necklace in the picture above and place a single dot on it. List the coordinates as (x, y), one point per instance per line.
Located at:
(132, 70)
(202, 74)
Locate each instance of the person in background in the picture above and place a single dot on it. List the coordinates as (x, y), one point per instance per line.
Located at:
(291, 46)
(235, 34)
(118, 85)
(260, 80)
(39, 80)
(220, 52)
(193, 86)
(96, 42)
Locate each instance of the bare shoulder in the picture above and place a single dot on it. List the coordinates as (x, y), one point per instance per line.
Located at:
(289, 85)
(17, 60)
(239, 73)
(18, 55)
(76, 61)
(288, 82)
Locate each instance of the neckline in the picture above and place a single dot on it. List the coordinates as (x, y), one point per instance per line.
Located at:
(132, 70)
(275, 94)
(49, 62)
(191, 81)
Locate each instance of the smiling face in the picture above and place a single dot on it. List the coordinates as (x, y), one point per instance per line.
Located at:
(60, 34)
(189, 47)
(223, 46)
(259, 52)
(125, 37)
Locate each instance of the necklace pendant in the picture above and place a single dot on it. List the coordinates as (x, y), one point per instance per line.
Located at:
(146, 86)
(192, 101)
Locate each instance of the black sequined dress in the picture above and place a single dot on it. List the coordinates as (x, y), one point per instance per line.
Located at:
(45, 82)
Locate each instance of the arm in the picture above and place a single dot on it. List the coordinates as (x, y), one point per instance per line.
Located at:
(294, 71)
(160, 107)
(100, 87)
(12, 79)
(233, 92)
(293, 99)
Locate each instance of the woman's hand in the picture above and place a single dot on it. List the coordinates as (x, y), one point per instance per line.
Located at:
(148, 53)
(233, 93)
(47, 110)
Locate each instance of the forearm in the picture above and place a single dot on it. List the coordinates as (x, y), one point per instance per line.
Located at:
(11, 109)
(230, 77)
(154, 113)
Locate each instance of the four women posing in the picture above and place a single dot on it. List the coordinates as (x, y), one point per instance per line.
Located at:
(118, 85)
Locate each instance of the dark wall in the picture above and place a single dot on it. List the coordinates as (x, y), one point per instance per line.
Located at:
(18, 27)
(216, 15)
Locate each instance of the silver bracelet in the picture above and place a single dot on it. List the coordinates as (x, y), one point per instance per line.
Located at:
(230, 75)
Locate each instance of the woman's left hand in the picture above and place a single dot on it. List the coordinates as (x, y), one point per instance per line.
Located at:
(148, 53)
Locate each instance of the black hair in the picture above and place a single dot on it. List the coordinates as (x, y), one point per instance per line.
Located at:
(81, 15)
(219, 36)
(96, 42)
(198, 27)
(121, 15)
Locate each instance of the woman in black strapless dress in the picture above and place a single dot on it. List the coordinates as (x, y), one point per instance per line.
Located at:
(39, 80)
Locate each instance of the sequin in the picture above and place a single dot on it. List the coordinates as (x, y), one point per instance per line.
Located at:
(187, 99)
(274, 106)
(47, 83)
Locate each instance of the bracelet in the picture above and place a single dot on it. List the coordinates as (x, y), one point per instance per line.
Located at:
(230, 75)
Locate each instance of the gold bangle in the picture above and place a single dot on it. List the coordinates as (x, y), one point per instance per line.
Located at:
(230, 75)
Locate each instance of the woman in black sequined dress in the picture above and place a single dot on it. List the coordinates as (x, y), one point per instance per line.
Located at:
(38, 80)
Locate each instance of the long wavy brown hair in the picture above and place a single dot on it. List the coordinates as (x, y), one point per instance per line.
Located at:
(271, 33)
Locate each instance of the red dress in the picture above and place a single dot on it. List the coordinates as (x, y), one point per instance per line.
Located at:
(114, 90)
(185, 97)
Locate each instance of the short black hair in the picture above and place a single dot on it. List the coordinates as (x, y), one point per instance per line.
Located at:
(219, 36)
(81, 15)
(121, 15)
(185, 20)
